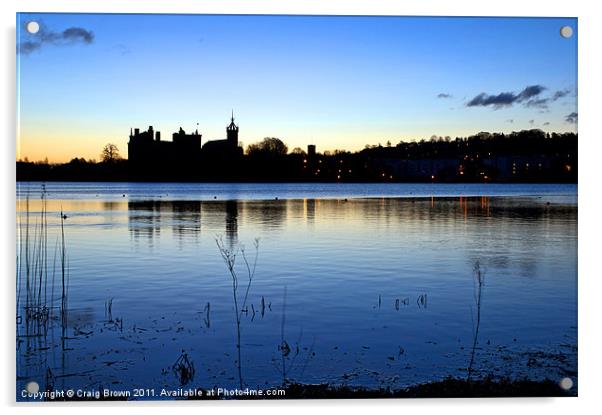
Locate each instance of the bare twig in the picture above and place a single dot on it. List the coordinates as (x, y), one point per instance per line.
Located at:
(240, 307)
(479, 281)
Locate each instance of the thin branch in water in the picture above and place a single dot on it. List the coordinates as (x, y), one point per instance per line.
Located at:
(284, 347)
(229, 257)
(479, 281)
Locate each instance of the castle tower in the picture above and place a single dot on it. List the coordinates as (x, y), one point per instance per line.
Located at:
(232, 132)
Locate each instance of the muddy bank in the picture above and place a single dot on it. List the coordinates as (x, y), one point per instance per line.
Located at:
(448, 388)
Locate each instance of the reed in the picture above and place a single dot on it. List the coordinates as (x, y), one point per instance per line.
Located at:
(64, 284)
(291, 357)
(479, 281)
(207, 318)
(35, 279)
(240, 304)
(284, 346)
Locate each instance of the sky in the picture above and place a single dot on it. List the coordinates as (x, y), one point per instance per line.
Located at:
(339, 82)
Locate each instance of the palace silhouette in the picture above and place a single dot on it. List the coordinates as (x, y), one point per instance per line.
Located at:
(148, 154)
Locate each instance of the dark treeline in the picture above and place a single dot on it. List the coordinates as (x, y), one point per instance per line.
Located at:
(525, 156)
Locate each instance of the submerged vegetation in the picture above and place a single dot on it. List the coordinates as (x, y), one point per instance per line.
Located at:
(184, 369)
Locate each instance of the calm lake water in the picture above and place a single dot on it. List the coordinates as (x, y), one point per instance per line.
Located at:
(366, 284)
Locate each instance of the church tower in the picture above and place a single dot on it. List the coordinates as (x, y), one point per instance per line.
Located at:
(232, 132)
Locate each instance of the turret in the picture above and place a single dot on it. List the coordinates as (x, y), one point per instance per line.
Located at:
(232, 132)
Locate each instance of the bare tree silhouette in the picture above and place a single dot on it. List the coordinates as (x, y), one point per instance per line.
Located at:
(110, 153)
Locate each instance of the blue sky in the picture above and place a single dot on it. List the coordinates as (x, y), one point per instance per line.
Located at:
(338, 82)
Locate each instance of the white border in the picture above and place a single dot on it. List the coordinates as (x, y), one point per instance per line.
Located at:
(590, 68)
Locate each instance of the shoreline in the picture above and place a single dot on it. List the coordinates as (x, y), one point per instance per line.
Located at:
(450, 387)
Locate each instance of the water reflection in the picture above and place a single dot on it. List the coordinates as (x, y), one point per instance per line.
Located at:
(337, 257)
(148, 218)
(186, 219)
(310, 210)
(232, 222)
(183, 218)
(145, 219)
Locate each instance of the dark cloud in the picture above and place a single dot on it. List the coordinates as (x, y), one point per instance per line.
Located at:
(538, 103)
(498, 101)
(530, 91)
(507, 99)
(543, 102)
(546, 123)
(530, 97)
(531, 122)
(28, 47)
(69, 36)
(510, 121)
(560, 94)
(444, 95)
(78, 34)
(572, 118)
